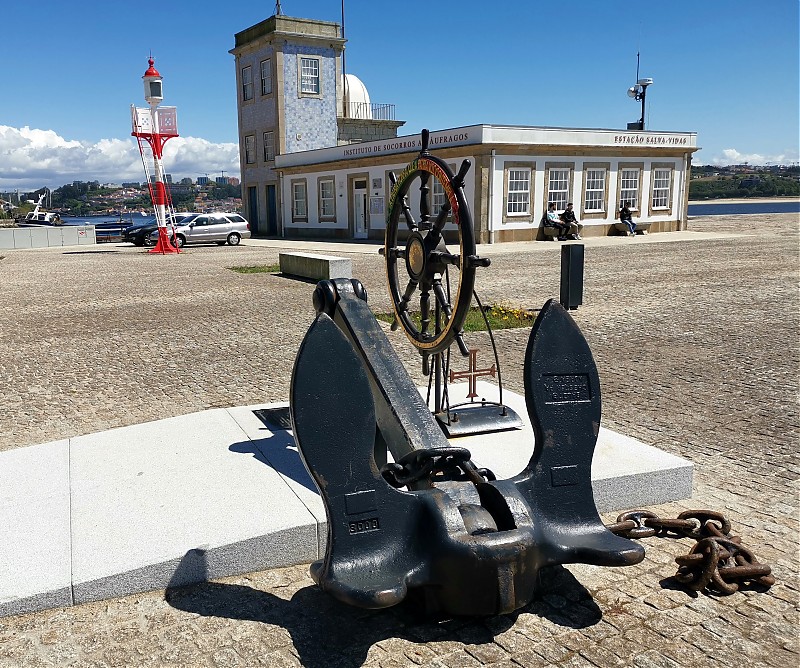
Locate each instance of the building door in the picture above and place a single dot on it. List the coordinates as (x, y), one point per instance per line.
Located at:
(360, 223)
(272, 212)
(252, 208)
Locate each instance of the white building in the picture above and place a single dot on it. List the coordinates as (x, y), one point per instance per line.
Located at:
(315, 153)
(342, 191)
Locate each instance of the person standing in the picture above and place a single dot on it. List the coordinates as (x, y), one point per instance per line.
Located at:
(626, 217)
(568, 217)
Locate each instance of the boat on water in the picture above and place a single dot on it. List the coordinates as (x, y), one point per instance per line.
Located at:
(38, 217)
(107, 228)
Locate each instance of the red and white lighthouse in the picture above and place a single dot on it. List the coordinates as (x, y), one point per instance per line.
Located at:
(155, 126)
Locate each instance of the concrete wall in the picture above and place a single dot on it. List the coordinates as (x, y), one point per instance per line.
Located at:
(46, 237)
(356, 129)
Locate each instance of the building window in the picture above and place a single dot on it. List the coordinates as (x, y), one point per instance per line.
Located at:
(661, 185)
(594, 198)
(629, 188)
(558, 188)
(327, 200)
(438, 197)
(266, 76)
(299, 200)
(309, 76)
(250, 149)
(519, 192)
(269, 146)
(247, 83)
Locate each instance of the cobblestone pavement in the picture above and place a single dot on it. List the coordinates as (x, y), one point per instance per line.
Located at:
(697, 347)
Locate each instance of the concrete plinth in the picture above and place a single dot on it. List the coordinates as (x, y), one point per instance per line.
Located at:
(220, 493)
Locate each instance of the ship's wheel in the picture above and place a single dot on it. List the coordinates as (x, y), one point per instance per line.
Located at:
(421, 271)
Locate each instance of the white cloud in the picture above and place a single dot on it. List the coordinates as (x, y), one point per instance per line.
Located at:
(31, 158)
(730, 156)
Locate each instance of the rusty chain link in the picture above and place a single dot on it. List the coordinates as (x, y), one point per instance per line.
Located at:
(718, 562)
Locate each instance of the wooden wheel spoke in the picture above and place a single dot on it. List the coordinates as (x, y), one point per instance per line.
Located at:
(441, 219)
(441, 298)
(410, 288)
(395, 252)
(447, 258)
(402, 305)
(425, 310)
(410, 222)
(424, 201)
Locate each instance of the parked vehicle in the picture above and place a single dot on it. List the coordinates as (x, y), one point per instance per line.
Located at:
(139, 234)
(218, 228)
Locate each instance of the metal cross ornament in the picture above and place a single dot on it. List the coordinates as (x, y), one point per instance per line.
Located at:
(472, 374)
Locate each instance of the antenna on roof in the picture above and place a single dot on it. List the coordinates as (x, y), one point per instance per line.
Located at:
(278, 11)
(346, 100)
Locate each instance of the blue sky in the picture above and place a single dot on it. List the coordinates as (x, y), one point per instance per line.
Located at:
(727, 69)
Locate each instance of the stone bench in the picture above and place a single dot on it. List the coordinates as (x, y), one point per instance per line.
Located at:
(641, 228)
(316, 267)
(550, 233)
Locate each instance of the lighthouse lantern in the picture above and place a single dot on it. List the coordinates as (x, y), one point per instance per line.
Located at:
(153, 90)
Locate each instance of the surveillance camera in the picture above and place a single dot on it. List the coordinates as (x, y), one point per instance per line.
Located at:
(633, 91)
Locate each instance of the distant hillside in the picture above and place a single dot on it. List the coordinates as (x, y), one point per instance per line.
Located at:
(743, 181)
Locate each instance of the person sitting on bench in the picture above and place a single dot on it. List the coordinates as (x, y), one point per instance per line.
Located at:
(626, 217)
(569, 218)
(554, 221)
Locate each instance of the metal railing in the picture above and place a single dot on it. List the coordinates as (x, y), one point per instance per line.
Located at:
(370, 111)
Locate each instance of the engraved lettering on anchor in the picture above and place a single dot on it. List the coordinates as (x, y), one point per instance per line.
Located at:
(566, 388)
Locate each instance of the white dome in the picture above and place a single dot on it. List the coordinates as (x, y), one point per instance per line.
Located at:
(356, 97)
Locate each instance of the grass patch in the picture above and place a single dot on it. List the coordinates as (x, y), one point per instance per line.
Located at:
(500, 316)
(257, 269)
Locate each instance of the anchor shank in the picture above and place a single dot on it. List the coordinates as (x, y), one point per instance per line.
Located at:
(402, 416)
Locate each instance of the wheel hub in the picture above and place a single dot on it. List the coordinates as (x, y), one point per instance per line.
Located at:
(415, 256)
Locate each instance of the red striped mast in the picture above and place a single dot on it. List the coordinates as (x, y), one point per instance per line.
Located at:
(155, 126)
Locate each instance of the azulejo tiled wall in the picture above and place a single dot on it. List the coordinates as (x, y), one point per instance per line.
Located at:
(310, 121)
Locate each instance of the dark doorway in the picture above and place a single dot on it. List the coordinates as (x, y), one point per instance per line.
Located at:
(252, 209)
(272, 212)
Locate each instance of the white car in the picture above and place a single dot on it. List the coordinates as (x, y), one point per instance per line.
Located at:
(201, 228)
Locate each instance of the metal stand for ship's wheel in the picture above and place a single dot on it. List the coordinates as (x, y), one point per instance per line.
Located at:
(419, 250)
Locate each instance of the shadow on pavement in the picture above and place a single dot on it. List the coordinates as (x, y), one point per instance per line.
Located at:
(327, 633)
(90, 252)
(280, 452)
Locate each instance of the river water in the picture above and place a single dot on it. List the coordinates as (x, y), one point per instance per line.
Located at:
(103, 220)
(723, 208)
(720, 208)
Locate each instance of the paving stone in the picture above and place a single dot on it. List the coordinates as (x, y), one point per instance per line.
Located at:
(654, 659)
(705, 384)
(600, 656)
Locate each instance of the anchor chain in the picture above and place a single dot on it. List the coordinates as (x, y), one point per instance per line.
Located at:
(445, 463)
(718, 561)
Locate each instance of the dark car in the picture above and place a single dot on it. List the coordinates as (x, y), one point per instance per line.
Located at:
(139, 234)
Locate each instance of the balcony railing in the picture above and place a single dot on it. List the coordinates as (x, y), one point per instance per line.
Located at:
(370, 111)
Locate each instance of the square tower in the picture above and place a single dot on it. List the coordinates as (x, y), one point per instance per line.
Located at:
(288, 100)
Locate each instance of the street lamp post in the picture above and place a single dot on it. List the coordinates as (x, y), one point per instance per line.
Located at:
(639, 92)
